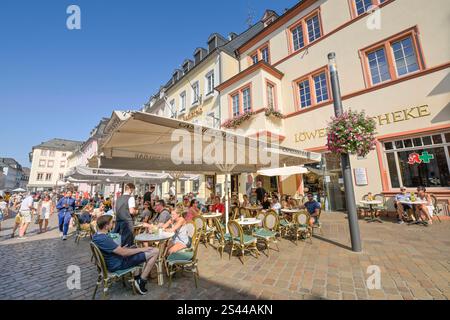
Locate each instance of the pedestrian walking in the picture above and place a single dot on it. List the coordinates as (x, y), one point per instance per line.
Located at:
(66, 207)
(46, 209)
(3, 210)
(25, 212)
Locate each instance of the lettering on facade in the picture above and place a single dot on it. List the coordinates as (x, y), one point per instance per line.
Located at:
(381, 120)
(193, 114)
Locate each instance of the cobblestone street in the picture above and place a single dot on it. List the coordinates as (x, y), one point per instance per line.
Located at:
(414, 261)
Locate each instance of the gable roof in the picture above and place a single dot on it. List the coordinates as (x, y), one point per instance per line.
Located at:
(59, 145)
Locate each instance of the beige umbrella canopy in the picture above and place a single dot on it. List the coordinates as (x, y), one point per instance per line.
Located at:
(142, 141)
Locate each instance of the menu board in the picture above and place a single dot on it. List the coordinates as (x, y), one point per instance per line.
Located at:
(361, 177)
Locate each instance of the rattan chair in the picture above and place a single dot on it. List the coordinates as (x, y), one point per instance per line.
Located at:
(185, 260)
(81, 230)
(437, 210)
(223, 239)
(202, 229)
(245, 212)
(301, 227)
(108, 278)
(380, 207)
(241, 241)
(268, 233)
(317, 224)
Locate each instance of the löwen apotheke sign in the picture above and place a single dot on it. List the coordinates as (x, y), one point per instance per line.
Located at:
(381, 120)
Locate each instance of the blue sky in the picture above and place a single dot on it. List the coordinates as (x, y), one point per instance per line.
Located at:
(56, 82)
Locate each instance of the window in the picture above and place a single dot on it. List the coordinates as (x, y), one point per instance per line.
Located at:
(241, 101)
(313, 89)
(320, 83)
(51, 154)
(379, 69)
(63, 164)
(419, 161)
(311, 26)
(393, 59)
(261, 54)
(265, 54)
(236, 108)
(305, 94)
(50, 164)
(42, 163)
(255, 58)
(61, 176)
(40, 177)
(48, 177)
(210, 83)
(64, 154)
(362, 6)
(297, 38)
(183, 102)
(246, 98)
(44, 153)
(271, 96)
(195, 93)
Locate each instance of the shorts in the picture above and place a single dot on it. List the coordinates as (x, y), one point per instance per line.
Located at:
(26, 216)
(133, 261)
(405, 206)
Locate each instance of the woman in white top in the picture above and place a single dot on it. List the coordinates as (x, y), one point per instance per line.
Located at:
(45, 210)
(177, 224)
(425, 210)
(276, 206)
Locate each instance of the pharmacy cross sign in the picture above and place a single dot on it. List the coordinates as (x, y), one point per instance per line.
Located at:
(425, 157)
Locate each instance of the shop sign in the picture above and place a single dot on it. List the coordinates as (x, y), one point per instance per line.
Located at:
(197, 112)
(382, 120)
(361, 177)
(425, 157)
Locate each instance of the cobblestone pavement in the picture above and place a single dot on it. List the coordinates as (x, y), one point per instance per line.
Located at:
(414, 263)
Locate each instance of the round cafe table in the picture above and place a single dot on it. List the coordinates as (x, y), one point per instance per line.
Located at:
(254, 210)
(161, 241)
(211, 215)
(249, 221)
(372, 203)
(414, 203)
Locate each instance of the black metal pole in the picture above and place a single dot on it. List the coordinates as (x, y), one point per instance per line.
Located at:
(345, 161)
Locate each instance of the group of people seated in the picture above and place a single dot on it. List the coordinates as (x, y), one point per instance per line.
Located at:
(406, 211)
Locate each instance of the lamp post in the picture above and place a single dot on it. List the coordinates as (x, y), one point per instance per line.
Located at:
(345, 160)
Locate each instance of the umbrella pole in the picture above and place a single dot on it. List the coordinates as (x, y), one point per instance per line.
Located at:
(227, 209)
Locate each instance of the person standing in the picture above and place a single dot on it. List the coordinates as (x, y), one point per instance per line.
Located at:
(3, 210)
(148, 196)
(45, 211)
(260, 192)
(25, 211)
(66, 207)
(125, 208)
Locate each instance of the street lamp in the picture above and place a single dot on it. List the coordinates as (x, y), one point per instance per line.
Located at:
(345, 160)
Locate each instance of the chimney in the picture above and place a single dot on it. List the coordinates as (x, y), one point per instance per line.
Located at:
(232, 36)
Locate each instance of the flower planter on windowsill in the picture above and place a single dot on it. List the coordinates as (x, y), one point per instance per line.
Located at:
(237, 121)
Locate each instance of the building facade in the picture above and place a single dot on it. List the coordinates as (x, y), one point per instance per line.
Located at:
(49, 162)
(393, 61)
(12, 174)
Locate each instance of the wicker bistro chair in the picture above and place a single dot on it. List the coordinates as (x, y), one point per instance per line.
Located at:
(269, 232)
(284, 226)
(185, 260)
(363, 208)
(381, 207)
(203, 229)
(437, 209)
(245, 212)
(223, 239)
(241, 241)
(108, 278)
(317, 224)
(82, 231)
(301, 227)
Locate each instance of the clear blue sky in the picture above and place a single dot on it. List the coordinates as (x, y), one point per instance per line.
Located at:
(57, 83)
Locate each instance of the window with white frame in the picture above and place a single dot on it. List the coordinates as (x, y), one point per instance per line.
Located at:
(50, 164)
(419, 161)
(183, 102)
(246, 100)
(62, 164)
(52, 154)
(297, 37)
(61, 176)
(173, 109)
(42, 163)
(236, 107)
(195, 93)
(320, 85)
(270, 96)
(44, 153)
(40, 177)
(210, 83)
(313, 26)
(305, 93)
(265, 54)
(48, 177)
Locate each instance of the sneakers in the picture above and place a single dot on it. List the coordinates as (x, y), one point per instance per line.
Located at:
(22, 238)
(64, 238)
(140, 284)
(400, 222)
(61, 235)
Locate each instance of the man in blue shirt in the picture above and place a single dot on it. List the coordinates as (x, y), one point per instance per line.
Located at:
(66, 207)
(313, 207)
(120, 258)
(401, 208)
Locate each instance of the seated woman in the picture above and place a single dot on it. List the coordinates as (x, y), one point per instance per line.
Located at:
(98, 212)
(287, 202)
(177, 224)
(246, 202)
(193, 210)
(85, 217)
(146, 214)
(425, 211)
(266, 203)
(276, 206)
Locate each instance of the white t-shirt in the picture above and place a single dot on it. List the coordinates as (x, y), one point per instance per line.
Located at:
(276, 207)
(131, 201)
(27, 203)
(3, 206)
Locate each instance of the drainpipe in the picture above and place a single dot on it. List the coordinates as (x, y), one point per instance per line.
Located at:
(220, 82)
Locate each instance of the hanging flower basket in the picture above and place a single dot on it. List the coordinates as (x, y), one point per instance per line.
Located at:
(237, 121)
(272, 112)
(352, 133)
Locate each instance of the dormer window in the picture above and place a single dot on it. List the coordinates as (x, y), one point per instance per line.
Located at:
(185, 68)
(212, 44)
(198, 57)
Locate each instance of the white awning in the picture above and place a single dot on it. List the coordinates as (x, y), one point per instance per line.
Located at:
(283, 171)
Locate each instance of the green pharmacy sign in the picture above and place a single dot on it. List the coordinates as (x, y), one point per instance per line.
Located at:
(425, 157)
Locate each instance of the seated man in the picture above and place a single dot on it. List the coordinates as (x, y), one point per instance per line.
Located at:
(162, 214)
(401, 208)
(218, 206)
(119, 258)
(313, 207)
